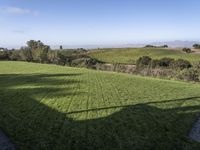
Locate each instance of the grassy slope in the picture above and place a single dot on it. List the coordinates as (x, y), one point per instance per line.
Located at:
(130, 55)
(55, 107)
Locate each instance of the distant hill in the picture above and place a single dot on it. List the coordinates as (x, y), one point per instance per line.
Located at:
(176, 44)
(173, 44)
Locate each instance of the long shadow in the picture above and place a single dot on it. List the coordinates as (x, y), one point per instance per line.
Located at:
(33, 125)
(124, 106)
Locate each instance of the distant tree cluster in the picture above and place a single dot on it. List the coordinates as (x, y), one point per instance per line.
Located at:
(153, 46)
(187, 50)
(36, 51)
(164, 46)
(196, 46)
(150, 46)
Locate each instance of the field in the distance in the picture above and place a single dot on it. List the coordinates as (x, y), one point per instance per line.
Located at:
(130, 55)
(54, 107)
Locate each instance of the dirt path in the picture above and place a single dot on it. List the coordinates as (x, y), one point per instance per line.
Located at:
(5, 143)
(196, 51)
(195, 132)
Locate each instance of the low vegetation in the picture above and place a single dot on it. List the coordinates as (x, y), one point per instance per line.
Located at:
(197, 46)
(131, 55)
(152, 46)
(173, 67)
(36, 51)
(53, 107)
(187, 50)
(168, 68)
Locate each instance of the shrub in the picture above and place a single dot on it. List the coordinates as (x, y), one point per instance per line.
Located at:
(84, 62)
(165, 46)
(166, 62)
(4, 55)
(144, 60)
(197, 46)
(25, 54)
(187, 50)
(155, 63)
(61, 59)
(197, 65)
(15, 55)
(92, 61)
(181, 64)
(190, 74)
(150, 46)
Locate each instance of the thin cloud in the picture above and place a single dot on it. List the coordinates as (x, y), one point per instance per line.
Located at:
(17, 10)
(19, 31)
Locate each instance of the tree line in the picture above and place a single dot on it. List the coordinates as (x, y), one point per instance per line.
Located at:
(37, 51)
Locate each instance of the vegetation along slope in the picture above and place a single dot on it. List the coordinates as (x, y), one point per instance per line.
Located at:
(54, 107)
(130, 55)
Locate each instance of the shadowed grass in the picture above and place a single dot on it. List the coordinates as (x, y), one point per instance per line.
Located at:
(54, 107)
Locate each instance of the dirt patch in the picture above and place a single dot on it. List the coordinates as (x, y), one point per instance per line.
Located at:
(196, 51)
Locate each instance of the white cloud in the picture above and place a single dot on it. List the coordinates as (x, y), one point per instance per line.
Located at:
(17, 10)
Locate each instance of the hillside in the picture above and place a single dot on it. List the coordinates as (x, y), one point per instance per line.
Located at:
(53, 107)
(130, 55)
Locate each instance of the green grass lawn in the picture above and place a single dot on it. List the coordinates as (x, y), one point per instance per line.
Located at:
(130, 55)
(53, 107)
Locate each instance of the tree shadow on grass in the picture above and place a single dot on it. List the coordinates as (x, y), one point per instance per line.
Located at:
(33, 125)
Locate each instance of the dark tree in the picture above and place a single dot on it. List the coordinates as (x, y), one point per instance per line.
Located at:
(165, 62)
(150, 46)
(165, 46)
(187, 50)
(197, 46)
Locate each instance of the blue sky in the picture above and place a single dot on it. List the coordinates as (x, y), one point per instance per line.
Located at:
(85, 22)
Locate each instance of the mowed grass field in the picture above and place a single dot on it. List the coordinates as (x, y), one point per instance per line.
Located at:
(54, 107)
(130, 55)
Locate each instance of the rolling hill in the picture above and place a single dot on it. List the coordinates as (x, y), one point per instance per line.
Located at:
(130, 55)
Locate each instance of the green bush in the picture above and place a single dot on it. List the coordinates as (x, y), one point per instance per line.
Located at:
(84, 62)
(187, 50)
(190, 74)
(165, 46)
(197, 46)
(150, 46)
(181, 64)
(144, 60)
(166, 62)
(25, 54)
(4, 55)
(155, 63)
(15, 55)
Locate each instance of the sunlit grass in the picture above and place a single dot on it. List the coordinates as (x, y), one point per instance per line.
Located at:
(130, 55)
